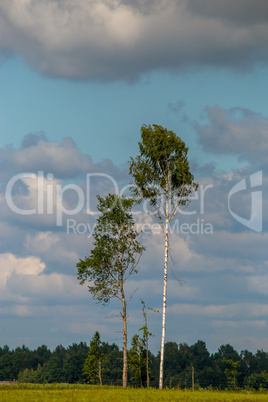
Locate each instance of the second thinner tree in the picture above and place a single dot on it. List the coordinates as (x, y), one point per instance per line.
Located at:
(162, 176)
(145, 337)
(137, 360)
(92, 369)
(113, 259)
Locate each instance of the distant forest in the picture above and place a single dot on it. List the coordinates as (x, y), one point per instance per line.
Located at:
(183, 364)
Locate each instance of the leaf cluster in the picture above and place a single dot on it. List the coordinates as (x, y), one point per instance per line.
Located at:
(116, 250)
(137, 360)
(161, 170)
(93, 365)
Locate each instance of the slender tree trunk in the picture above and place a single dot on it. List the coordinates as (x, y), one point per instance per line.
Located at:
(161, 370)
(147, 349)
(234, 383)
(147, 361)
(100, 377)
(124, 316)
(140, 365)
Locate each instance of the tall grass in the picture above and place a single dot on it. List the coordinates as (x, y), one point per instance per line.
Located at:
(80, 392)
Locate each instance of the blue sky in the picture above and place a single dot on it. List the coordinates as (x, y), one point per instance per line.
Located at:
(77, 81)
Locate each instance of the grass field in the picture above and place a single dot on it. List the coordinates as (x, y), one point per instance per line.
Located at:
(59, 392)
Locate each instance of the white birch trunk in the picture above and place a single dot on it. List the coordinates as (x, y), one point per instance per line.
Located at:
(161, 370)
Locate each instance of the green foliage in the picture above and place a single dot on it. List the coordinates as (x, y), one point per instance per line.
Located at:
(116, 250)
(162, 177)
(248, 363)
(93, 366)
(73, 362)
(199, 355)
(31, 375)
(227, 352)
(161, 169)
(62, 365)
(66, 365)
(258, 381)
(145, 340)
(113, 366)
(137, 361)
(113, 259)
(144, 328)
(231, 371)
(7, 369)
(52, 370)
(262, 360)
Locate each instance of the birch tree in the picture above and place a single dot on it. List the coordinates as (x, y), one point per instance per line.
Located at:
(162, 177)
(113, 259)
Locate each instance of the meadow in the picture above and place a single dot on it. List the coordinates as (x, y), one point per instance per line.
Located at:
(62, 392)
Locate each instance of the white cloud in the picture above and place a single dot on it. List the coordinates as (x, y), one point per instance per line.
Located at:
(27, 266)
(52, 324)
(105, 39)
(23, 279)
(249, 246)
(239, 311)
(154, 287)
(235, 130)
(258, 284)
(239, 324)
(36, 192)
(21, 311)
(52, 246)
(60, 158)
(242, 12)
(59, 288)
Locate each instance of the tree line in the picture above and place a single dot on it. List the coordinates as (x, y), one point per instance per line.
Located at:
(101, 362)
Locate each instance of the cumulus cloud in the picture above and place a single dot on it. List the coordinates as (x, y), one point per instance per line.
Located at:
(25, 266)
(44, 180)
(33, 200)
(52, 288)
(11, 266)
(236, 131)
(23, 279)
(242, 12)
(52, 246)
(122, 39)
(61, 158)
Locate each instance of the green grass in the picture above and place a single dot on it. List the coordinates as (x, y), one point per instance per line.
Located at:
(62, 392)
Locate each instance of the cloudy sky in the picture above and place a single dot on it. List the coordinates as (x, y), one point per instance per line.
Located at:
(78, 78)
